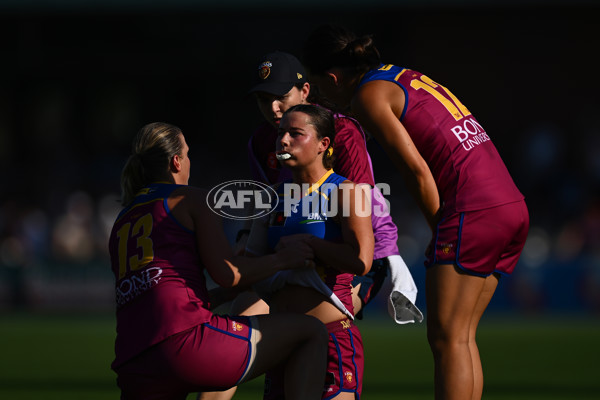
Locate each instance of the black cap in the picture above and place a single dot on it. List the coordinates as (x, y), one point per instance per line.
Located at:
(278, 73)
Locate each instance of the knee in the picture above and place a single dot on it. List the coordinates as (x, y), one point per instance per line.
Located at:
(437, 342)
(442, 337)
(435, 339)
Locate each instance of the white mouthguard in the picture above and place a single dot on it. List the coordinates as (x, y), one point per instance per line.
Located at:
(283, 156)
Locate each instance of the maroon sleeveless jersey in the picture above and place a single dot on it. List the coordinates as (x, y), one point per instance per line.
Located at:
(468, 171)
(160, 285)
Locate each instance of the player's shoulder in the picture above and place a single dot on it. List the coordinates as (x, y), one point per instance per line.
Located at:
(374, 97)
(346, 184)
(343, 119)
(347, 127)
(195, 190)
(191, 194)
(195, 202)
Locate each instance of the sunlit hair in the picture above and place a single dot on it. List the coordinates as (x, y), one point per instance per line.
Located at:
(324, 124)
(331, 46)
(152, 150)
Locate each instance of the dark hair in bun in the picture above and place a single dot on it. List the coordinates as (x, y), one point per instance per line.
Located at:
(331, 46)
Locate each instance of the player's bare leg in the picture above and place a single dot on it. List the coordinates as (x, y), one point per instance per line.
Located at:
(224, 395)
(246, 303)
(451, 300)
(302, 351)
(300, 382)
(491, 283)
(344, 396)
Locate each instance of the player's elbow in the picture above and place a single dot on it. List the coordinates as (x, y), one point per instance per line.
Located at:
(227, 276)
(364, 266)
(225, 282)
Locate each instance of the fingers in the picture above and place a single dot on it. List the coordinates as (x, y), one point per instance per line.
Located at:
(298, 256)
(296, 250)
(300, 250)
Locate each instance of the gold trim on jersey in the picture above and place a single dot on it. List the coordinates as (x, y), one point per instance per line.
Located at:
(399, 74)
(317, 185)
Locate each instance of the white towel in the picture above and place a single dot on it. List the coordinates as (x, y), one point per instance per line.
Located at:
(303, 277)
(401, 304)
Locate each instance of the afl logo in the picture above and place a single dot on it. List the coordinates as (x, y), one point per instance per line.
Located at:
(264, 69)
(242, 199)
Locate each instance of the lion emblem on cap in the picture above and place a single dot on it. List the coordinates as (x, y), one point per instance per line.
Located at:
(264, 69)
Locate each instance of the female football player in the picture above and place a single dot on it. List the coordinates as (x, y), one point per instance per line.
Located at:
(477, 215)
(336, 213)
(168, 343)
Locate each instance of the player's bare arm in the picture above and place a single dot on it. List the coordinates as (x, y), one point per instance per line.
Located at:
(224, 267)
(379, 105)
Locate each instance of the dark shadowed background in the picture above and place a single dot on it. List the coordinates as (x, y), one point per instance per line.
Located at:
(77, 81)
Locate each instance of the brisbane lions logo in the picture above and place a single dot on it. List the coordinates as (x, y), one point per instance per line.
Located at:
(236, 326)
(264, 69)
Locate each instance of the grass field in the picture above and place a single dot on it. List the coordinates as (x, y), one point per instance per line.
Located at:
(67, 357)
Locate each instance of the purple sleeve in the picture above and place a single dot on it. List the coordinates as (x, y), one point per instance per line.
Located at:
(384, 229)
(353, 162)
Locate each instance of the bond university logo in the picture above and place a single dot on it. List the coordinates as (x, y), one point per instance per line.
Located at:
(242, 199)
(470, 133)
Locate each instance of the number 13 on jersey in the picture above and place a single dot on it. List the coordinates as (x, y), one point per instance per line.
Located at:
(142, 248)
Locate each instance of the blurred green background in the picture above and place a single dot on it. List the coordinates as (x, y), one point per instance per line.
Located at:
(77, 79)
(66, 357)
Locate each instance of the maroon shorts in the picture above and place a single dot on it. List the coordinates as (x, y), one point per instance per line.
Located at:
(345, 364)
(481, 242)
(212, 356)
